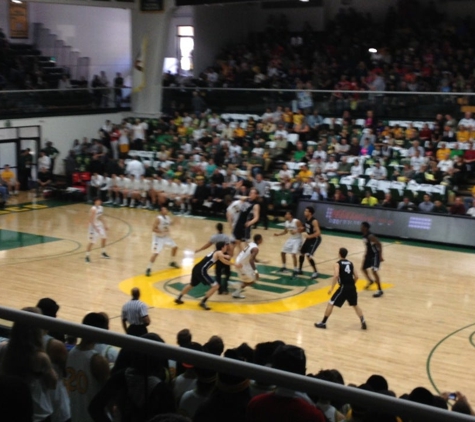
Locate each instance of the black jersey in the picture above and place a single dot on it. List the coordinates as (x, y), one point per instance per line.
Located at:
(205, 264)
(309, 229)
(346, 274)
(246, 213)
(371, 249)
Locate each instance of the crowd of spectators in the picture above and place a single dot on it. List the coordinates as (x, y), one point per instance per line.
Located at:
(417, 49)
(47, 376)
(291, 156)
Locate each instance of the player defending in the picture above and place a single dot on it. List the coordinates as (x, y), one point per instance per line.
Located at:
(373, 257)
(345, 275)
(161, 238)
(293, 243)
(312, 240)
(97, 228)
(248, 216)
(220, 267)
(247, 260)
(199, 274)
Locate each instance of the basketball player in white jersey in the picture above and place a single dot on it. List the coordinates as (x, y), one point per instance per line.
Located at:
(161, 238)
(97, 229)
(247, 260)
(127, 183)
(112, 189)
(136, 191)
(294, 242)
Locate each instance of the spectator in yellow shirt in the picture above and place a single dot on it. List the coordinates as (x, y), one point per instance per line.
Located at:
(305, 173)
(239, 132)
(10, 179)
(463, 134)
(369, 199)
(288, 116)
(298, 117)
(442, 152)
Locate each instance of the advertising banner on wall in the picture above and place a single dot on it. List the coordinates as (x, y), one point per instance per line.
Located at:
(18, 20)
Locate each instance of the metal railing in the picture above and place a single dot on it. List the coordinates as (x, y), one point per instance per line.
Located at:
(385, 104)
(251, 371)
(49, 102)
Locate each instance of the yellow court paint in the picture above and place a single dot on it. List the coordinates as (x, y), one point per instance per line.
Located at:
(157, 298)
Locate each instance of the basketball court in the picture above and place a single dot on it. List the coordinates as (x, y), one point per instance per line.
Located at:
(420, 333)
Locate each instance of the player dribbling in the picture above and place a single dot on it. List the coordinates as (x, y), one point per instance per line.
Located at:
(247, 270)
(161, 238)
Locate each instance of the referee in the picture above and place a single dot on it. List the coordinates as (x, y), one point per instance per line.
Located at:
(135, 313)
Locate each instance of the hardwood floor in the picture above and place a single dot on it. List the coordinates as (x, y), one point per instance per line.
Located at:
(421, 331)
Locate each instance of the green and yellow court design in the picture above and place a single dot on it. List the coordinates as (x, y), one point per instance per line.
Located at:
(274, 292)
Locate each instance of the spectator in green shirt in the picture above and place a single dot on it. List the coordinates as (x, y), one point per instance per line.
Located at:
(299, 153)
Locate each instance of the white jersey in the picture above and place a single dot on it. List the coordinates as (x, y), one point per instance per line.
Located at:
(191, 188)
(164, 223)
(114, 182)
(234, 209)
(126, 183)
(292, 228)
(157, 185)
(81, 384)
(97, 217)
(137, 184)
(244, 256)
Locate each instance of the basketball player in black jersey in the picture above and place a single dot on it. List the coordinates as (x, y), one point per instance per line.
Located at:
(312, 241)
(248, 216)
(199, 274)
(373, 257)
(345, 275)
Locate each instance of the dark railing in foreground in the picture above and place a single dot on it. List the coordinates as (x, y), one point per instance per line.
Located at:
(264, 374)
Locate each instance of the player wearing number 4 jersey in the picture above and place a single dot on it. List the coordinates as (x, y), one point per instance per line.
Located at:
(345, 275)
(373, 257)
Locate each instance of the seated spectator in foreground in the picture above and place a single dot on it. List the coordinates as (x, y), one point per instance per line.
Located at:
(295, 405)
(439, 208)
(426, 205)
(369, 199)
(187, 380)
(406, 205)
(15, 399)
(324, 403)
(458, 208)
(262, 356)
(138, 392)
(229, 400)
(26, 360)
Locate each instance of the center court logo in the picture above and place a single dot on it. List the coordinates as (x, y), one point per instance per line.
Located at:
(274, 292)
